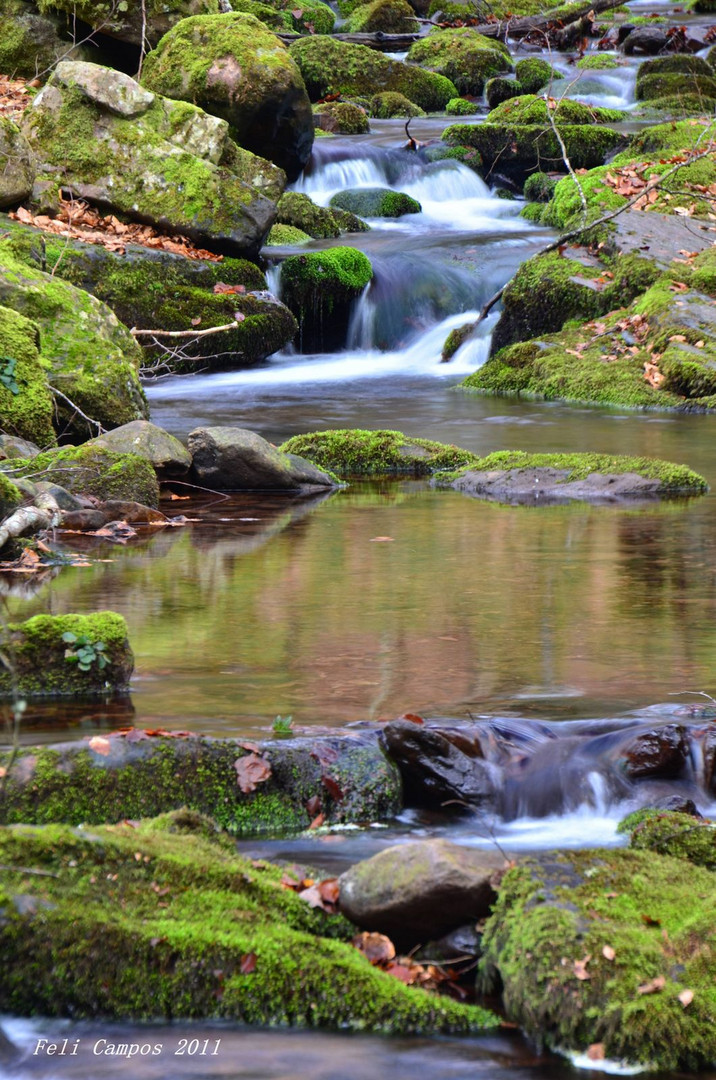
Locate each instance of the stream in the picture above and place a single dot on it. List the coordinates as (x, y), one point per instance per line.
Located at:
(391, 597)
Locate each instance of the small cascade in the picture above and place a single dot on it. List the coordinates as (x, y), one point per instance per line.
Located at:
(611, 88)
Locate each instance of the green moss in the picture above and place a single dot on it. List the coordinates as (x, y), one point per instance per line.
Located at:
(321, 284)
(27, 412)
(539, 187)
(465, 57)
(461, 107)
(330, 66)
(376, 453)
(455, 340)
(10, 496)
(675, 479)
(295, 208)
(342, 117)
(138, 923)
(501, 89)
(529, 109)
(376, 202)
(315, 17)
(466, 154)
(674, 84)
(598, 62)
(91, 470)
(534, 73)
(39, 665)
(269, 16)
(383, 16)
(389, 104)
(286, 236)
(678, 835)
(560, 911)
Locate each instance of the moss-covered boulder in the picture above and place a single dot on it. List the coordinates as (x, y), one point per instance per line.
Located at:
(26, 405)
(154, 289)
(609, 950)
(10, 496)
(31, 44)
(501, 89)
(235, 68)
(91, 470)
(376, 202)
(98, 134)
(353, 452)
(517, 150)
(163, 451)
(665, 83)
(539, 187)
(18, 168)
(549, 290)
(534, 73)
(389, 104)
(341, 118)
(461, 107)
(286, 236)
(465, 57)
(320, 287)
(91, 358)
(383, 16)
(598, 62)
(66, 655)
(672, 833)
(330, 66)
(319, 222)
(164, 919)
(267, 788)
(279, 21)
(131, 21)
(530, 109)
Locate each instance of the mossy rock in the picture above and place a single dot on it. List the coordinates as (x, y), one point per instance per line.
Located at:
(26, 403)
(90, 356)
(299, 210)
(91, 470)
(550, 289)
(467, 155)
(465, 57)
(341, 118)
(376, 202)
(31, 43)
(677, 63)
(455, 340)
(501, 89)
(625, 920)
(675, 84)
(539, 187)
(320, 287)
(534, 73)
(286, 236)
(461, 107)
(677, 835)
(389, 104)
(598, 62)
(675, 105)
(280, 21)
(233, 67)
(90, 939)
(521, 149)
(18, 170)
(311, 17)
(330, 66)
(529, 109)
(383, 16)
(135, 23)
(354, 452)
(10, 496)
(44, 661)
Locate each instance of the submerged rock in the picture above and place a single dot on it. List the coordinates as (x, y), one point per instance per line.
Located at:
(420, 891)
(66, 655)
(234, 459)
(663, 751)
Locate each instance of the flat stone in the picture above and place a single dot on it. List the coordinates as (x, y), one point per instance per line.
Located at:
(163, 450)
(421, 890)
(547, 486)
(112, 90)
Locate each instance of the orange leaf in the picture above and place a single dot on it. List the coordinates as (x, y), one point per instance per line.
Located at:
(378, 948)
(248, 963)
(595, 1052)
(580, 968)
(100, 745)
(251, 771)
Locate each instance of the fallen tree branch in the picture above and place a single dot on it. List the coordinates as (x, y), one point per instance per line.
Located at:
(185, 333)
(43, 514)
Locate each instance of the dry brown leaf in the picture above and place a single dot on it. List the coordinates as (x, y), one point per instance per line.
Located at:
(251, 771)
(686, 997)
(653, 986)
(378, 948)
(595, 1052)
(580, 968)
(100, 745)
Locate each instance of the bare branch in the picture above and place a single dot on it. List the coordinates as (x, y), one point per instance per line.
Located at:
(68, 401)
(185, 333)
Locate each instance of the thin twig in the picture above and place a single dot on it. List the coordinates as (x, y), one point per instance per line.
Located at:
(185, 333)
(28, 870)
(68, 401)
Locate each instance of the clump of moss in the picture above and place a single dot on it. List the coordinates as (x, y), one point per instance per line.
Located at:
(91, 470)
(465, 154)
(465, 57)
(575, 936)
(529, 109)
(138, 922)
(43, 664)
(539, 187)
(286, 236)
(598, 62)
(461, 107)
(455, 340)
(354, 452)
(674, 84)
(501, 89)
(26, 405)
(299, 210)
(342, 118)
(675, 834)
(533, 74)
(389, 104)
(10, 496)
(319, 287)
(383, 16)
(330, 66)
(376, 202)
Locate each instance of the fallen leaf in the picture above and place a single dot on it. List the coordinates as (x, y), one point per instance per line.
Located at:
(319, 819)
(413, 718)
(100, 745)
(380, 540)
(313, 806)
(653, 986)
(251, 771)
(248, 963)
(332, 787)
(686, 997)
(608, 952)
(378, 948)
(595, 1052)
(648, 920)
(580, 969)
(251, 746)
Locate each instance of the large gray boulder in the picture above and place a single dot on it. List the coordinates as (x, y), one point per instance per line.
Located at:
(234, 67)
(164, 451)
(99, 135)
(234, 459)
(18, 170)
(419, 891)
(132, 21)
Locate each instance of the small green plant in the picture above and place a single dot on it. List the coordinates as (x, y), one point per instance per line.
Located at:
(7, 374)
(282, 725)
(84, 652)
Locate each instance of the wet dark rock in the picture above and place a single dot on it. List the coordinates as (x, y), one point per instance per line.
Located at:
(418, 891)
(83, 520)
(660, 752)
(648, 40)
(435, 771)
(235, 459)
(678, 804)
(459, 944)
(708, 749)
(550, 485)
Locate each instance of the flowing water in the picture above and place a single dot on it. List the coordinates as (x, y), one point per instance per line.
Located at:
(391, 597)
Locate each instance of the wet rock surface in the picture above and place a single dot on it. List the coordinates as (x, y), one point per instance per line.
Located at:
(434, 771)
(550, 486)
(234, 459)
